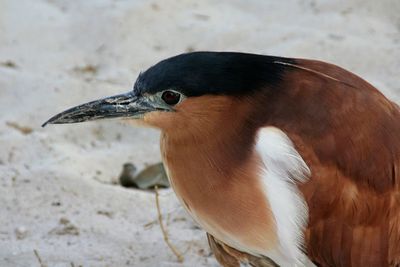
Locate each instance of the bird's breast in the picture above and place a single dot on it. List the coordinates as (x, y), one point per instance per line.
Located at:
(230, 205)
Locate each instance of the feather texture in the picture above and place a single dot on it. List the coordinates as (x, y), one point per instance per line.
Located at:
(345, 131)
(282, 168)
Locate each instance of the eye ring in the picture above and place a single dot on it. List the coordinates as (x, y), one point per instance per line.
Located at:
(171, 97)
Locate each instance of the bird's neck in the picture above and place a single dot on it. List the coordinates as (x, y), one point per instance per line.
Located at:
(215, 145)
(214, 170)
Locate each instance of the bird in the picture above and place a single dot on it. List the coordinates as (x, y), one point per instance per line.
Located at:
(282, 161)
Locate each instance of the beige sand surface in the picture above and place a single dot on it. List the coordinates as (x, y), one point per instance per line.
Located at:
(57, 53)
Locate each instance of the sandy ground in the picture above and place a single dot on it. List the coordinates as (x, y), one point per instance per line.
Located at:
(56, 195)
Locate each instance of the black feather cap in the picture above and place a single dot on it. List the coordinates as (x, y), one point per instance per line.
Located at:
(200, 73)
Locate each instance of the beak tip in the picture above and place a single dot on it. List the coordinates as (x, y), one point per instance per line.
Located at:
(52, 120)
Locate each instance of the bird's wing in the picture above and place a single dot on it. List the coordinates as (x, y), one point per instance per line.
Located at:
(348, 133)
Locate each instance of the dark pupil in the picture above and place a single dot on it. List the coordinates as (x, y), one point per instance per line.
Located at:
(171, 98)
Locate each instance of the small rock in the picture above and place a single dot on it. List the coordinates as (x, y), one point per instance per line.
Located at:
(87, 69)
(64, 221)
(152, 176)
(127, 176)
(56, 203)
(108, 214)
(65, 228)
(22, 129)
(21, 232)
(9, 64)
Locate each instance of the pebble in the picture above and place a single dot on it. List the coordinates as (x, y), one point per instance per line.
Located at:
(21, 232)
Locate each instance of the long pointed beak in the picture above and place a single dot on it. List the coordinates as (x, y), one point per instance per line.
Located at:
(123, 105)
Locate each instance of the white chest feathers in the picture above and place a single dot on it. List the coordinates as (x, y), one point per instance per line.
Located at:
(283, 167)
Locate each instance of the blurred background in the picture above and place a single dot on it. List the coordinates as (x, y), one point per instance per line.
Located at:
(60, 204)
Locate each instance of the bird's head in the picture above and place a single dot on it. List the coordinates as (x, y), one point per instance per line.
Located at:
(185, 89)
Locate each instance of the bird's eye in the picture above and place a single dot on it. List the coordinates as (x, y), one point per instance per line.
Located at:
(171, 97)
